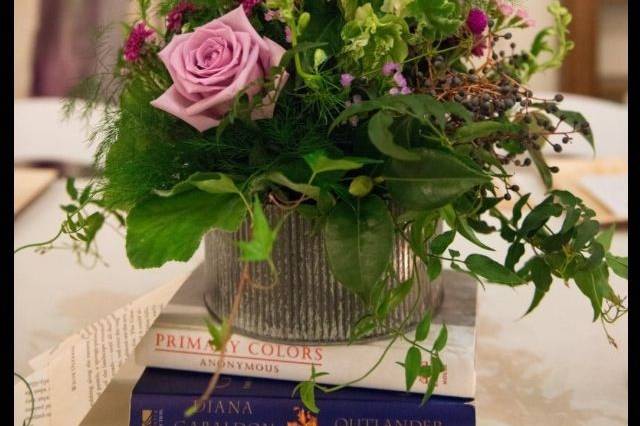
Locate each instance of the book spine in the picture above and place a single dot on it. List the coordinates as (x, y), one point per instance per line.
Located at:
(189, 349)
(168, 410)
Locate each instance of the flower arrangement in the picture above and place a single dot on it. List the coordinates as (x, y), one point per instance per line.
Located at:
(337, 110)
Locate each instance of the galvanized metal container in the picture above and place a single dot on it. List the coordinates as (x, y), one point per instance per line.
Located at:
(307, 305)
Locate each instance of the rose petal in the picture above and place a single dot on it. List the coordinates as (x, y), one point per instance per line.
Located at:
(174, 103)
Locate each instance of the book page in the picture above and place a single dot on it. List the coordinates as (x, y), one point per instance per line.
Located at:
(70, 377)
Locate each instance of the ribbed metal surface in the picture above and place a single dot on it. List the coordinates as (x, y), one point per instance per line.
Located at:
(306, 305)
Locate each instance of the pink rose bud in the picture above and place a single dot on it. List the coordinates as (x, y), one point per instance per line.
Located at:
(213, 64)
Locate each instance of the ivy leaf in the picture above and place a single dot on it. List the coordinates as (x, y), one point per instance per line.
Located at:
(213, 183)
(434, 181)
(412, 363)
(161, 229)
(218, 334)
(492, 270)
(542, 279)
(382, 138)
(359, 243)
(92, 225)
(262, 237)
(422, 330)
(619, 265)
(440, 243)
(441, 340)
(399, 292)
(434, 267)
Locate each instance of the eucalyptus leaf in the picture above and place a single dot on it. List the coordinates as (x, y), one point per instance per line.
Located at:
(359, 243)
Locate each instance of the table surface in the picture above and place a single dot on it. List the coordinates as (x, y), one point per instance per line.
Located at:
(553, 366)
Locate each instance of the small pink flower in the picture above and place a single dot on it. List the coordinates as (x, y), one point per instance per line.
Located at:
(390, 68)
(394, 91)
(479, 45)
(530, 22)
(506, 9)
(135, 42)
(346, 79)
(176, 16)
(287, 34)
(213, 64)
(406, 90)
(399, 79)
(522, 13)
(477, 21)
(248, 5)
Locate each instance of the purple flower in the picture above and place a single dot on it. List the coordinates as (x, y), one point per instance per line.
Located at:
(135, 42)
(477, 21)
(399, 79)
(176, 16)
(248, 5)
(346, 79)
(479, 44)
(406, 90)
(390, 68)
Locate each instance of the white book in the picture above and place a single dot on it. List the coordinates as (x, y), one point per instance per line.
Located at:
(179, 340)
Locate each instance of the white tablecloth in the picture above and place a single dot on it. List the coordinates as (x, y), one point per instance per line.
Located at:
(551, 367)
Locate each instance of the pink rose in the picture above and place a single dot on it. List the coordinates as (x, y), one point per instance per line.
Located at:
(211, 65)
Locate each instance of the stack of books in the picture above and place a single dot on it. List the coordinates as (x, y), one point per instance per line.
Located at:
(259, 376)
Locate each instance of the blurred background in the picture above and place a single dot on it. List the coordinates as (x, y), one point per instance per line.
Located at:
(54, 45)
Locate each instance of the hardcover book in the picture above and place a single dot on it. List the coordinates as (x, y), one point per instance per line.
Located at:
(179, 340)
(161, 397)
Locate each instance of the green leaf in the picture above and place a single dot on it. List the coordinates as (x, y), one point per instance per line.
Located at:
(441, 340)
(517, 209)
(71, 188)
(434, 267)
(436, 368)
(218, 335)
(585, 232)
(213, 183)
(606, 237)
(359, 243)
(434, 181)
(440, 243)
(308, 396)
(482, 129)
(310, 191)
(619, 265)
(462, 226)
(576, 119)
(412, 363)
(92, 225)
(594, 283)
(539, 216)
(319, 162)
(542, 279)
(541, 165)
(492, 270)
(571, 218)
(515, 252)
(422, 330)
(161, 229)
(382, 138)
(399, 292)
(262, 237)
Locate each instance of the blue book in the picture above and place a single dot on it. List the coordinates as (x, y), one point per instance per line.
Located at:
(161, 397)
